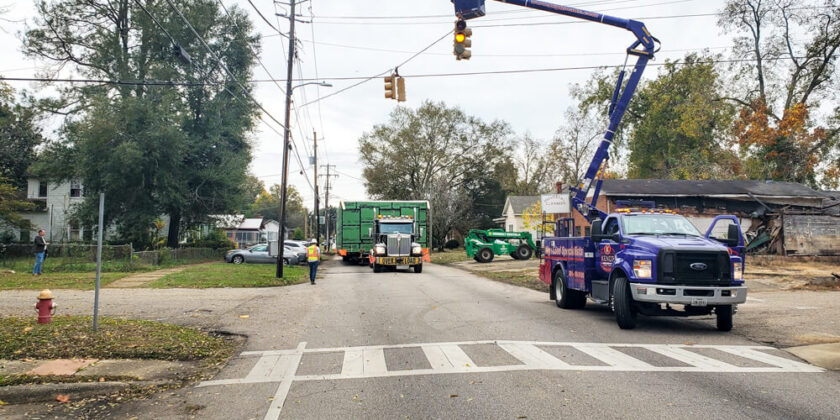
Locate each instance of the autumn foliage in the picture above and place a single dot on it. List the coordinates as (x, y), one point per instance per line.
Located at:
(786, 149)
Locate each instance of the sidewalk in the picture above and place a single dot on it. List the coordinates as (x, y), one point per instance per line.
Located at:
(142, 279)
(82, 378)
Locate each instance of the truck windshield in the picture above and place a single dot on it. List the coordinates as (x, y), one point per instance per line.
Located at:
(657, 224)
(404, 228)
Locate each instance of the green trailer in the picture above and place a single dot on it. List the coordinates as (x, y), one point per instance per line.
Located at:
(356, 222)
(483, 245)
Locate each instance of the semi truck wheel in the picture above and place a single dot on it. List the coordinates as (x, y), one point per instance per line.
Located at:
(377, 268)
(485, 255)
(563, 296)
(418, 268)
(625, 314)
(724, 317)
(524, 252)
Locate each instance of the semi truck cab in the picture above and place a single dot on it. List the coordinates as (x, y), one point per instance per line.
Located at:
(395, 244)
(652, 263)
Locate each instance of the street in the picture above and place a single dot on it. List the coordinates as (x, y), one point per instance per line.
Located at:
(447, 344)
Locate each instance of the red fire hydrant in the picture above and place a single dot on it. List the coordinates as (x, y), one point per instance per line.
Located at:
(45, 307)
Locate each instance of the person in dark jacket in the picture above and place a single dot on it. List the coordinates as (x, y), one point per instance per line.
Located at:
(40, 249)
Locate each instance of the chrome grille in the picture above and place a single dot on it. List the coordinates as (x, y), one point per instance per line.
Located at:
(399, 245)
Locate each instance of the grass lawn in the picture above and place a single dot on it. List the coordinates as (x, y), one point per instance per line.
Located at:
(450, 256)
(524, 278)
(221, 274)
(81, 281)
(73, 337)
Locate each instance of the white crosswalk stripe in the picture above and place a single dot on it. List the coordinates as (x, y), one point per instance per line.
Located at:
(280, 366)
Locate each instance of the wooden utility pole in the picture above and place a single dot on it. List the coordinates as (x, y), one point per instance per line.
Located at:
(281, 241)
(327, 204)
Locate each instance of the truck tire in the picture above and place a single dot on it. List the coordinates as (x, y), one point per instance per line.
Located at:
(485, 255)
(524, 252)
(724, 317)
(377, 268)
(563, 296)
(625, 313)
(418, 268)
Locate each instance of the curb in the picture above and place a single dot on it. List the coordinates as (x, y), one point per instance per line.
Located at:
(826, 356)
(22, 394)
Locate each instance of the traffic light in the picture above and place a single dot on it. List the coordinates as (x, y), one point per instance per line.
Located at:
(389, 88)
(462, 40)
(401, 89)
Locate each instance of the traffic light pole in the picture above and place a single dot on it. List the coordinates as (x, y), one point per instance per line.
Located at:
(281, 240)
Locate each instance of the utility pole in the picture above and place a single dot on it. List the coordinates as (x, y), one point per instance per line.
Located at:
(281, 241)
(317, 196)
(327, 204)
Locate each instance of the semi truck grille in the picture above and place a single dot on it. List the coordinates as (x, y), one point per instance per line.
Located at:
(694, 268)
(399, 245)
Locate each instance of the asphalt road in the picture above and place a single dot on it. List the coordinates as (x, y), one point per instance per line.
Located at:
(359, 345)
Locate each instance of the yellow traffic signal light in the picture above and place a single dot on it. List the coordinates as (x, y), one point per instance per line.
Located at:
(389, 88)
(462, 40)
(401, 89)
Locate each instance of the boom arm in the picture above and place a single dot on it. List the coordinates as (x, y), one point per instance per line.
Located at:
(644, 49)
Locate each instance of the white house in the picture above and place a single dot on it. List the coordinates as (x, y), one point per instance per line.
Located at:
(515, 205)
(53, 204)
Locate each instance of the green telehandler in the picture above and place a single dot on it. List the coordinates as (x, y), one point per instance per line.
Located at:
(484, 245)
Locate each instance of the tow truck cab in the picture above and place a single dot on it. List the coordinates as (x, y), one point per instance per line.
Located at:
(645, 262)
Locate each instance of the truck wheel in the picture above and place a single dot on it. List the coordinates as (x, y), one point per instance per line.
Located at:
(563, 296)
(485, 255)
(524, 252)
(724, 317)
(377, 268)
(418, 268)
(625, 314)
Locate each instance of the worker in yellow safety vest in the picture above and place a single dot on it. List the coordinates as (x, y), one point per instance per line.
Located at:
(313, 256)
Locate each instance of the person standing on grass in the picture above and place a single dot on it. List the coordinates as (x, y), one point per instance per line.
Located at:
(313, 256)
(40, 249)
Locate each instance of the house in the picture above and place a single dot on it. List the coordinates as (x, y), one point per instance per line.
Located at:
(781, 217)
(247, 232)
(53, 204)
(511, 219)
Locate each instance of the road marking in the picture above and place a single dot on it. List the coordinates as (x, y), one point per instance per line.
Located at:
(281, 366)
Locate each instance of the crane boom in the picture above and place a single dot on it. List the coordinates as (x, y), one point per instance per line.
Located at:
(643, 48)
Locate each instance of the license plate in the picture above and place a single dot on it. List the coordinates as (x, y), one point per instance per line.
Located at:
(399, 260)
(699, 302)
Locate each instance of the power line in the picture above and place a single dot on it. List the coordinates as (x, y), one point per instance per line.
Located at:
(383, 73)
(108, 82)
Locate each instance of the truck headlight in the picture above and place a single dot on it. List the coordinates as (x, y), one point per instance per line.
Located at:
(643, 269)
(379, 250)
(417, 250)
(738, 272)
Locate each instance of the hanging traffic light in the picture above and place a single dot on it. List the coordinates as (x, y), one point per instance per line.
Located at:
(462, 40)
(389, 88)
(401, 89)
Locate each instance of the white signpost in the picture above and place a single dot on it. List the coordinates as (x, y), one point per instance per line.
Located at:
(556, 203)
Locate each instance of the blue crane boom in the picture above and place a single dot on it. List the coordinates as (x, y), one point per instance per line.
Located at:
(643, 49)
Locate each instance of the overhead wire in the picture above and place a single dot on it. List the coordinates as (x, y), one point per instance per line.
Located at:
(318, 88)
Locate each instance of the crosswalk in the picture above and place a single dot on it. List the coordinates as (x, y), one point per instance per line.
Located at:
(282, 366)
(447, 358)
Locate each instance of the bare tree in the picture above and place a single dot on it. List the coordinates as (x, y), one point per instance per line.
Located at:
(574, 144)
(533, 165)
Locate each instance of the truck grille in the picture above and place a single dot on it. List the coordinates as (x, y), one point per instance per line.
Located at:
(694, 268)
(399, 245)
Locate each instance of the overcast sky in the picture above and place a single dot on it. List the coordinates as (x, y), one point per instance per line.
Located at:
(362, 38)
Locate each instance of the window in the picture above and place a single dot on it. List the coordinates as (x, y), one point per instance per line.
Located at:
(42, 189)
(75, 232)
(510, 228)
(588, 231)
(75, 189)
(611, 227)
(577, 231)
(24, 236)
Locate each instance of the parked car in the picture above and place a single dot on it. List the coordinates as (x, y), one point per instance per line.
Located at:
(299, 248)
(259, 254)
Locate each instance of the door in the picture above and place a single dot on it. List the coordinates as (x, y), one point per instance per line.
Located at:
(727, 230)
(608, 247)
(260, 254)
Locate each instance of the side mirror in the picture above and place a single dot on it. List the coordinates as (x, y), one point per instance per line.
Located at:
(597, 230)
(733, 235)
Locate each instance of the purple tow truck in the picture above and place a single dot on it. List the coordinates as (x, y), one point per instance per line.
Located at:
(648, 262)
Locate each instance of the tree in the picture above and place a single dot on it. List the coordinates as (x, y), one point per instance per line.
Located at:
(267, 205)
(574, 144)
(532, 219)
(534, 166)
(176, 150)
(11, 204)
(432, 152)
(794, 45)
(19, 136)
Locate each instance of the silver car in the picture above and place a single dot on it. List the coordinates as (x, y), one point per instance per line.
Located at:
(299, 248)
(258, 254)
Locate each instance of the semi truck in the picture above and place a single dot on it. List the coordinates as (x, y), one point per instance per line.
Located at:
(638, 259)
(361, 225)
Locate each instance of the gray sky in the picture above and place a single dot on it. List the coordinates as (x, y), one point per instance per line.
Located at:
(362, 38)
